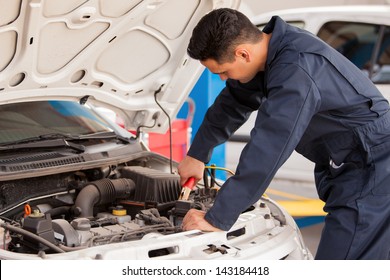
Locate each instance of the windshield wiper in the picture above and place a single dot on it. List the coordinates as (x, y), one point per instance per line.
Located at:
(49, 136)
(105, 135)
(53, 140)
(46, 143)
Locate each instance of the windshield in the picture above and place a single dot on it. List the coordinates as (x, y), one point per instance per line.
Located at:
(31, 119)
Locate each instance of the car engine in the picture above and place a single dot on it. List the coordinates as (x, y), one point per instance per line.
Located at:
(76, 210)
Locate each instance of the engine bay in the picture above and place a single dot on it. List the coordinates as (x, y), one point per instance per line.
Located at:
(76, 210)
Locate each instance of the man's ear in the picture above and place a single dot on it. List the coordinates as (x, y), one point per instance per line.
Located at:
(242, 53)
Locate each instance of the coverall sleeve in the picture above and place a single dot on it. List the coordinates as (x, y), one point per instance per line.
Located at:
(282, 119)
(230, 110)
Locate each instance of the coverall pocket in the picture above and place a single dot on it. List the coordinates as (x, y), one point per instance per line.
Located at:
(381, 158)
(340, 184)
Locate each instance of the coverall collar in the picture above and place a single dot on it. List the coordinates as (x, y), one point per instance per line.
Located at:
(277, 27)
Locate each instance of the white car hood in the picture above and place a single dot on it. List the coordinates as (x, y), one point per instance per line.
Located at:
(113, 54)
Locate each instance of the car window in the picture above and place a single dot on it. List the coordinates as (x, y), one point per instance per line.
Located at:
(366, 45)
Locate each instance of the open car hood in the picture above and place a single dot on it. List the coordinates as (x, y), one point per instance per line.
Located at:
(119, 54)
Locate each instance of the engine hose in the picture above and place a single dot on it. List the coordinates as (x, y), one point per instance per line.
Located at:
(71, 249)
(33, 236)
(58, 211)
(199, 206)
(100, 192)
(150, 217)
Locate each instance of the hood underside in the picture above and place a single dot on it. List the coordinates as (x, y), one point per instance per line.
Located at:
(119, 54)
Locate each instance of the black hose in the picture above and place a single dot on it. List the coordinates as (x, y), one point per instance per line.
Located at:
(58, 211)
(206, 179)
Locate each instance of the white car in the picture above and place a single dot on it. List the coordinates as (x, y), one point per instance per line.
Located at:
(361, 33)
(75, 185)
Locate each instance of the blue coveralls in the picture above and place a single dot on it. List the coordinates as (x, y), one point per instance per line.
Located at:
(311, 99)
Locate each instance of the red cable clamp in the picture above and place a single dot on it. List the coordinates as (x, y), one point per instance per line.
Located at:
(187, 188)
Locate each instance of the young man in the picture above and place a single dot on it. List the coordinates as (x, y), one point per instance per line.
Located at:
(310, 99)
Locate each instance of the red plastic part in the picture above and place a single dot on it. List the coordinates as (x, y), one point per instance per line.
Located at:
(159, 143)
(190, 183)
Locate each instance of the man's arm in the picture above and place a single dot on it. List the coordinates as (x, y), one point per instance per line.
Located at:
(282, 120)
(230, 110)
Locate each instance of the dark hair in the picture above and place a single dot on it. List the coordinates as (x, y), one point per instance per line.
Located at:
(219, 32)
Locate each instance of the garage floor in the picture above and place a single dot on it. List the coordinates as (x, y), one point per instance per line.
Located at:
(311, 236)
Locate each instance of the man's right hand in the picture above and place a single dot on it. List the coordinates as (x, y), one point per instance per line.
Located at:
(190, 167)
(194, 219)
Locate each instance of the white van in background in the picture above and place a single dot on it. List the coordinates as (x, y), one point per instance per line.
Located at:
(361, 33)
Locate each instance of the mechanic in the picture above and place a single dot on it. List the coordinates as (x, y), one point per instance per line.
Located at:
(310, 98)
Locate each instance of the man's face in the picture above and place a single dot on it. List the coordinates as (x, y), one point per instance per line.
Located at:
(239, 69)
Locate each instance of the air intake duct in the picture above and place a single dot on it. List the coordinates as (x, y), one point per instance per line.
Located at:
(101, 192)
